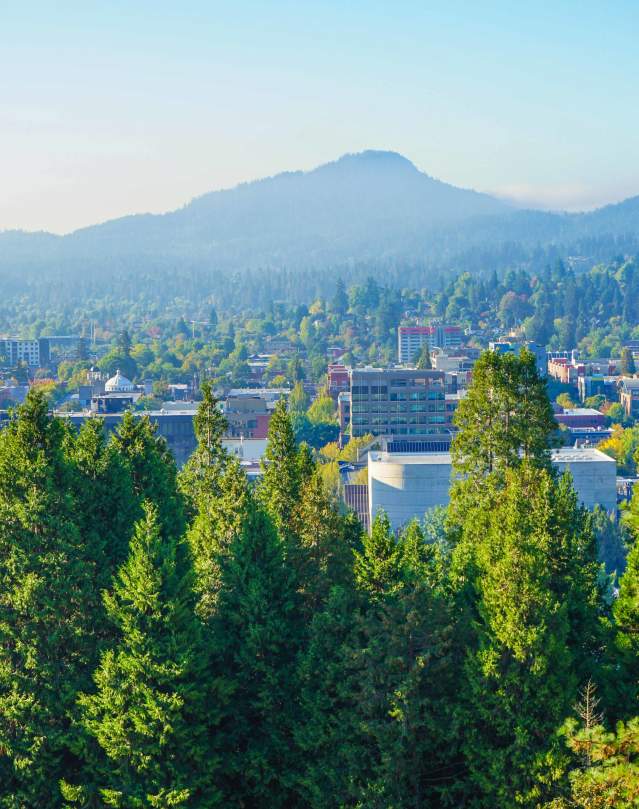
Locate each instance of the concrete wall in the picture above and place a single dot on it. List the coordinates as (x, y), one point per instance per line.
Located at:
(406, 485)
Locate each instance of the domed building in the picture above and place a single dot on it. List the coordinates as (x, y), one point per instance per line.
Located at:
(119, 384)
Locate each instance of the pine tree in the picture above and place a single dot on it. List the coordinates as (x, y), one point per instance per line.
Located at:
(339, 304)
(149, 712)
(279, 487)
(325, 553)
(628, 367)
(256, 637)
(378, 564)
(152, 470)
(107, 506)
(49, 625)
(523, 632)
(423, 358)
(625, 665)
(216, 490)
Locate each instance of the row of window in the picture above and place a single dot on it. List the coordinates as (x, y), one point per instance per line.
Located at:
(379, 421)
(360, 407)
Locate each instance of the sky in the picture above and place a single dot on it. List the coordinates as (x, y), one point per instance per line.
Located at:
(111, 108)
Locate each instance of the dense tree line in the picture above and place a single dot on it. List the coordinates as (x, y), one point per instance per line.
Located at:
(190, 639)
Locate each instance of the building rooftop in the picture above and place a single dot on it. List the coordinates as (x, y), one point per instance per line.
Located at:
(580, 411)
(561, 455)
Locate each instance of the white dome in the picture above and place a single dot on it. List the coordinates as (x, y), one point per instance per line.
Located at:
(118, 384)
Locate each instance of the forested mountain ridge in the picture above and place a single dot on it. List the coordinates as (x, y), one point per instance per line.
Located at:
(370, 207)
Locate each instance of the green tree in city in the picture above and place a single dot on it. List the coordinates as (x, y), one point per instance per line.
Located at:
(378, 563)
(256, 638)
(506, 417)
(50, 623)
(628, 366)
(423, 358)
(339, 303)
(107, 506)
(153, 699)
(152, 469)
(520, 679)
(279, 486)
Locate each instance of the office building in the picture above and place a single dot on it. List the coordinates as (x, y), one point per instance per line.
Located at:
(396, 401)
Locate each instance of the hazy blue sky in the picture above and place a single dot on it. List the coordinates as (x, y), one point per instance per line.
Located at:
(108, 108)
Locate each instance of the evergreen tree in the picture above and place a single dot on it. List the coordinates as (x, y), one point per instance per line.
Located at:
(625, 664)
(423, 358)
(378, 564)
(628, 367)
(200, 478)
(528, 632)
(48, 618)
(326, 554)
(279, 486)
(256, 635)
(149, 712)
(339, 304)
(152, 470)
(505, 418)
(107, 506)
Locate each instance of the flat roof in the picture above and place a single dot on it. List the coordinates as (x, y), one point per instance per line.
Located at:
(561, 455)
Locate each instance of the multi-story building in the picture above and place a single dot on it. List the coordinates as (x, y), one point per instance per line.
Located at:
(338, 379)
(13, 351)
(411, 339)
(629, 396)
(509, 346)
(247, 416)
(397, 401)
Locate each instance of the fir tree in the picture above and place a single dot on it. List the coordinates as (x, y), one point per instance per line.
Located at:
(525, 652)
(625, 664)
(279, 487)
(423, 358)
(149, 712)
(377, 565)
(256, 637)
(49, 624)
(152, 470)
(107, 506)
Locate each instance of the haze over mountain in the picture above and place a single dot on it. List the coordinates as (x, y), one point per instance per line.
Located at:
(372, 206)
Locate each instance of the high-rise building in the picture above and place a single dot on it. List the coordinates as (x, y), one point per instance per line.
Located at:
(411, 339)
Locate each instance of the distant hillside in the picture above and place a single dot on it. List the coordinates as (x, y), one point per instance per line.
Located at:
(370, 207)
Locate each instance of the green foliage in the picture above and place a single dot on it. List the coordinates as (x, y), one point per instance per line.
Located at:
(149, 712)
(50, 618)
(256, 636)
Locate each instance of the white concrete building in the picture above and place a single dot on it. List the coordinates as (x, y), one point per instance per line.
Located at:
(406, 485)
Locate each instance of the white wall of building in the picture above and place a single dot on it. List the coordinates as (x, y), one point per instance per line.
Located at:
(406, 485)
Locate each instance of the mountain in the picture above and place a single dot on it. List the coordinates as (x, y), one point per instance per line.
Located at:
(370, 207)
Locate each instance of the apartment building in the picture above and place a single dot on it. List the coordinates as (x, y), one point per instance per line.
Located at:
(411, 339)
(14, 351)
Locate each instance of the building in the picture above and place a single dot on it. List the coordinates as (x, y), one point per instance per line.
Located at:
(581, 417)
(59, 347)
(176, 428)
(598, 385)
(511, 347)
(411, 339)
(14, 351)
(247, 416)
(396, 401)
(406, 485)
(338, 379)
(629, 396)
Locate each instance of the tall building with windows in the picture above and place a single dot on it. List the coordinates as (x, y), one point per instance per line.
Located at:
(14, 351)
(398, 401)
(411, 339)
